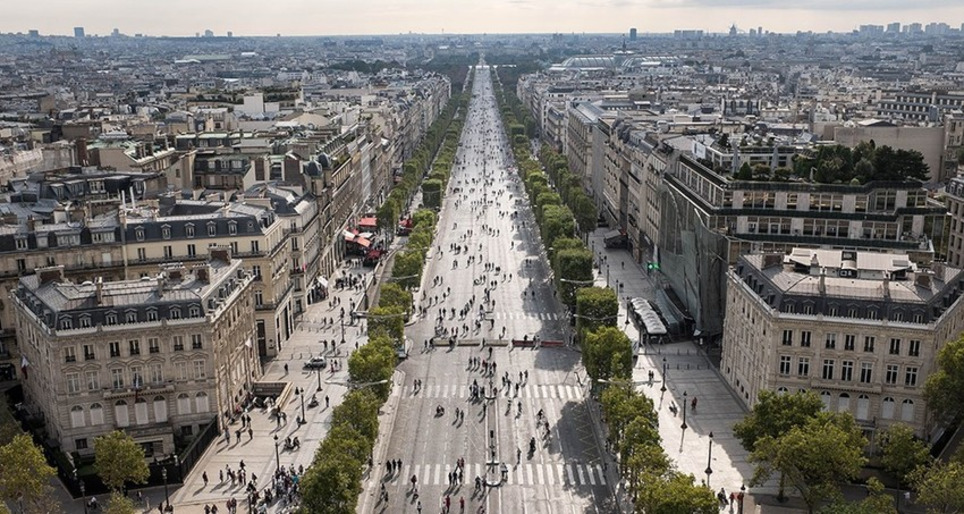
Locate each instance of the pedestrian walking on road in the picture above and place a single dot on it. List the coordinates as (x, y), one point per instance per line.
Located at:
(250, 433)
(204, 476)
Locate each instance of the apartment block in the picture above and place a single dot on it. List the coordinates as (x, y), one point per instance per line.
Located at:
(157, 357)
(861, 329)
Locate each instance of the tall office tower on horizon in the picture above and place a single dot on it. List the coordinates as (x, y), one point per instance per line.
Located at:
(79, 32)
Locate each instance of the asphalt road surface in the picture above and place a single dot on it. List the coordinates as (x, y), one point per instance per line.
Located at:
(494, 287)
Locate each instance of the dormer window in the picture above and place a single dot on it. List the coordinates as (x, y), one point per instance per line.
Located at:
(66, 324)
(175, 313)
(152, 315)
(232, 228)
(111, 319)
(130, 317)
(195, 311)
(21, 242)
(139, 234)
(212, 229)
(189, 230)
(85, 322)
(166, 231)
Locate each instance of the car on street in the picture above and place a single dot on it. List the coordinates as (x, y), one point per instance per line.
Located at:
(316, 363)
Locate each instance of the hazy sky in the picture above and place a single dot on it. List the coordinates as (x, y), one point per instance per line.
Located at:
(330, 17)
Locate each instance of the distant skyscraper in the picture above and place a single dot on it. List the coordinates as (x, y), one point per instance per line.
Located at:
(208, 33)
(632, 34)
(230, 34)
(759, 31)
(893, 28)
(115, 32)
(78, 31)
(33, 33)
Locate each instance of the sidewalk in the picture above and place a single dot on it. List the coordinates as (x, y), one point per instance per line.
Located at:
(688, 371)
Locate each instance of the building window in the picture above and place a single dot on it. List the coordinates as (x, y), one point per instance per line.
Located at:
(96, 414)
(178, 343)
(21, 243)
(117, 378)
(70, 354)
(258, 298)
(196, 341)
(894, 346)
(66, 324)
(157, 373)
(114, 348)
(199, 372)
(910, 376)
(84, 322)
(232, 228)
(180, 370)
(256, 272)
(153, 345)
(73, 382)
(869, 343)
(828, 369)
(194, 311)
(913, 348)
(168, 252)
(130, 317)
(166, 232)
(890, 377)
(135, 346)
(111, 319)
(866, 372)
(850, 341)
(907, 410)
(151, 315)
(803, 366)
(831, 342)
(93, 380)
(139, 234)
(80, 444)
(255, 247)
(787, 337)
(847, 371)
(191, 250)
(142, 254)
(212, 229)
(189, 230)
(89, 352)
(805, 338)
(175, 313)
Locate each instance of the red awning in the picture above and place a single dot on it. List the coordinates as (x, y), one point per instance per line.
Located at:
(363, 242)
(368, 222)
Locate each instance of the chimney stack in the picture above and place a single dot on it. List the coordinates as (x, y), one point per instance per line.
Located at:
(51, 274)
(99, 290)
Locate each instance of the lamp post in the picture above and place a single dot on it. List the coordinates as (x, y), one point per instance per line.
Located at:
(740, 497)
(83, 493)
(301, 394)
(318, 372)
(167, 498)
(709, 461)
(663, 389)
(342, 321)
(683, 426)
(277, 456)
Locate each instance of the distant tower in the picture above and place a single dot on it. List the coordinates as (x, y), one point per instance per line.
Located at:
(78, 32)
(632, 34)
(33, 33)
(115, 33)
(759, 31)
(230, 34)
(733, 29)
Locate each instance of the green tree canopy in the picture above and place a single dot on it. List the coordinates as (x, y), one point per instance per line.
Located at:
(432, 193)
(876, 502)
(331, 485)
(359, 410)
(941, 486)
(392, 294)
(675, 494)
(944, 389)
(389, 321)
(621, 405)
(901, 452)
(118, 459)
(119, 504)
(388, 215)
(573, 270)
(775, 414)
(408, 268)
(607, 354)
(816, 457)
(595, 307)
(374, 362)
(24, 471)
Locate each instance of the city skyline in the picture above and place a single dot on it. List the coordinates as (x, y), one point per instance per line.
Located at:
(303, 18)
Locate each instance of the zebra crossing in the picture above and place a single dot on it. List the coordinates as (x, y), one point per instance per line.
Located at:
(553, 391)
(517, 315)
(531, 473)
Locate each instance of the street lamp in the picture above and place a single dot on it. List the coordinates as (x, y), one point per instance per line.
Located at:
(301, 394)
(167, 497)
(709, 461)
(683, 426)
(663, 389)
(318, 372)
(342, 321)
(83, 493)
(277, 456)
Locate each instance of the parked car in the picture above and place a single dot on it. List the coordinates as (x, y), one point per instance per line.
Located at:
(316, 363)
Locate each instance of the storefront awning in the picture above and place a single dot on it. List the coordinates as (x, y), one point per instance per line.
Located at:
(361, 241)
(368, 222)
(323, 282)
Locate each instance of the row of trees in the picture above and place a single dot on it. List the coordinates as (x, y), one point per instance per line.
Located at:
(607, 352)
(333, 481)
(864, 163)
